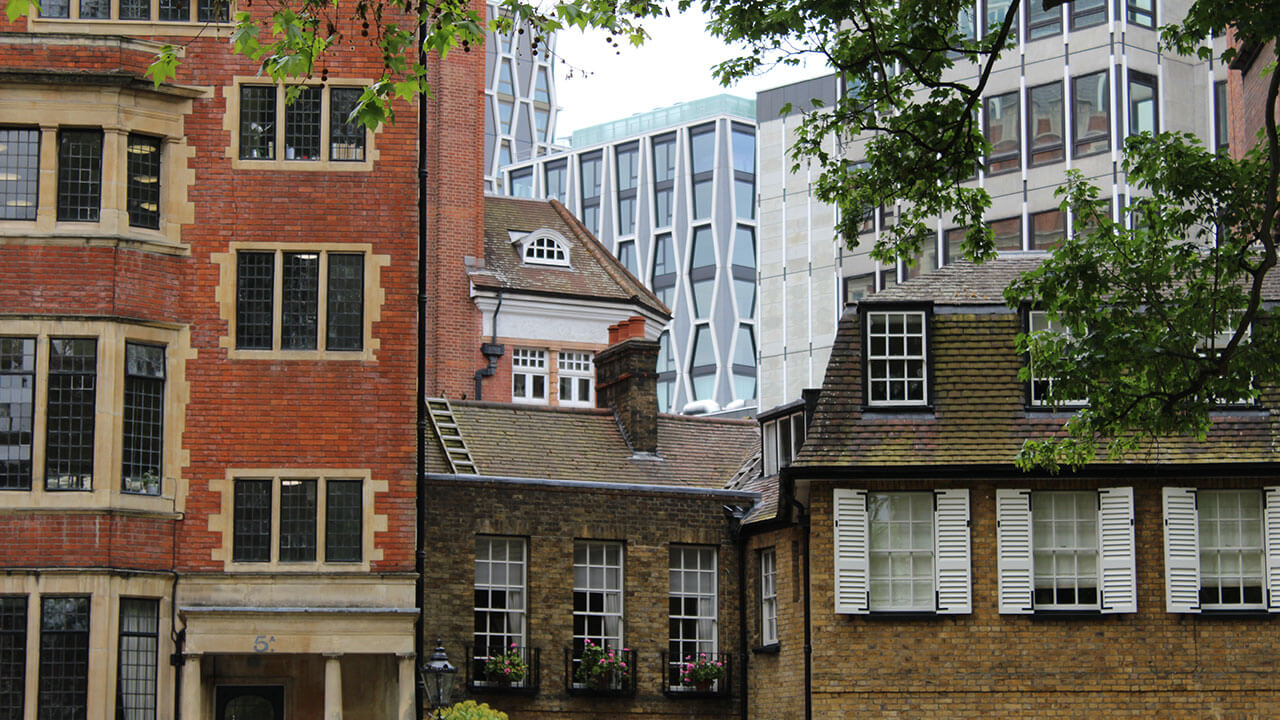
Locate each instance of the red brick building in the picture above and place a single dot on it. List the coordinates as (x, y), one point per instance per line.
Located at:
(208, 323)
(930, 576)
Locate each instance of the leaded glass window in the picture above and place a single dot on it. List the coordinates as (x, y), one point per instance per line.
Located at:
(143, 444)
(255, 278)
(299, 298)
(139, 652)
(73, 374)
(64, 658)
(19, 173)
(344, 517)
(13, 656)
(251, 533)
(257, 122)
(17, 410)
(297, 520)
(345, 302)
(302, 125)
(79, 175)
(143, 186)
(346, 137)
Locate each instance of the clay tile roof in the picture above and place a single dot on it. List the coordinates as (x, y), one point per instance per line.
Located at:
(593, 272)
(528, 441)
(978, 413)
(749, 479)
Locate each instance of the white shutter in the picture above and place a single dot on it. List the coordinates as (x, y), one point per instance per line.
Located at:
(1013, 554)
(1271, 535)
(850, 519)
(1181, 551)
(1118, 575)
(951, 551)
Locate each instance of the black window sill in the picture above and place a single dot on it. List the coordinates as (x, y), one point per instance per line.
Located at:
(770, 649)
(922, 409)
(1242, 614)
(899, 615)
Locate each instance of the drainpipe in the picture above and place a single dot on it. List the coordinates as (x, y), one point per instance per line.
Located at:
(420, 516)
(808, 618)
(491, 350)
(736, 515)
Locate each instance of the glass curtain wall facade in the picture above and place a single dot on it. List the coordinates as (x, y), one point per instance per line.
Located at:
(1081, 78)
(519, 102)
(672, 193)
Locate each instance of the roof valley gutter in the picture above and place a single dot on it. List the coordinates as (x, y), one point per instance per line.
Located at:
(420, 514)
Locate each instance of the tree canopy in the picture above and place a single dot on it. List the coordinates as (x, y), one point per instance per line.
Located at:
(1160, 316)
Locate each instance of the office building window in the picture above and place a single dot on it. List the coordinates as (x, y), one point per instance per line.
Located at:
(528, 375)
(1007, 233)
(295, 512)
(500, 595)
(702, 270)
(768, 596)
(597, 596)
(627, 256)
(1141, 12)
(1143, 104)
(744, 171)
(73, 374)
(1044, 124)
(1002, 133)
(302, 309)
(13, 655)
(79, 175)
(744, 363)
(139, 655)
(521, 182)
(1041, 22)
(896, 358)
(589, 171)
(556, 181)
(1048, 229)
(64, 658)
(1221, 135)
(576, 375)
(702, 158)
(702, 368)
(664, 268)
(666, 372)
(994, 18)
(664, 175)
(1087, 13)
(19, 173)
(1092, 123)
(692, 620)
(143, 445)
(627, 160)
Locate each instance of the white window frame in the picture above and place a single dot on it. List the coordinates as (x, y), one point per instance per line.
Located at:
(951, 552)
(769, 596)
(781, 440)
(895, 542)
(592, 563)
(530, 366)
(1064, 549)
(1183, 551)
(692, 579)
(1039, 321)
(503, 572)
(1116, 566)
(896, 363)
(544, 249)
(572, 368)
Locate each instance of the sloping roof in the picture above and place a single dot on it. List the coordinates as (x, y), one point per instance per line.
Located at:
(528, 441)
(593, 273)
(749, 479)
(978, 413)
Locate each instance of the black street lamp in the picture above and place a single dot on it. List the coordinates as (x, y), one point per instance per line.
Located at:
(437, 678)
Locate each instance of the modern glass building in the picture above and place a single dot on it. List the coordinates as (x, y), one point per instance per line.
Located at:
(520, 101)
(1082, 78)
(672, 193)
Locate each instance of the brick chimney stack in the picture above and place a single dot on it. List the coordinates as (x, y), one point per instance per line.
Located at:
(627, 383)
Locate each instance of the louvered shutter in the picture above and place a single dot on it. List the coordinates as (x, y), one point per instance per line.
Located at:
(1013, 552)
(1118, 579)
(1181, 551)
(850, 516)
(951, 552)
(1271, 533)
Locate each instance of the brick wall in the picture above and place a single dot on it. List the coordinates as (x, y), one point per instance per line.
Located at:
(776, 680)
(1246, 95)
(993, 665)
(647, 524)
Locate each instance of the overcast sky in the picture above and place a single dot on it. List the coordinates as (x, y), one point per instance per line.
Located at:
(673, 66)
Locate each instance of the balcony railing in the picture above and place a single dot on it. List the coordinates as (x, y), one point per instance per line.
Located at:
(676, 682)
(617, 683)
(481, 681)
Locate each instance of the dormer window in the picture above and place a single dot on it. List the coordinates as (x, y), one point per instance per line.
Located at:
(896, 358)
(543, 247)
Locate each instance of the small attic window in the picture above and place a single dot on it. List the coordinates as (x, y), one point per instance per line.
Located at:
(543, 247)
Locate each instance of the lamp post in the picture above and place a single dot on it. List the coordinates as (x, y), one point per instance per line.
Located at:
(437, 678)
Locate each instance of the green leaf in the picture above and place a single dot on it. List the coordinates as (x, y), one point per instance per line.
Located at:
(164, 66)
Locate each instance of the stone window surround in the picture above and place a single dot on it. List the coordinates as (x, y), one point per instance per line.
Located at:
(109, 423)
(223, 522)
(119, 111)
(374, 298)
(231, 123)
(115, 26)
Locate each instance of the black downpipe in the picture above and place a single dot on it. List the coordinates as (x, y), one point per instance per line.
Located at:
(179, 637)
(740, 541)
(491, 350)
(420, 551)
(808, 613)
